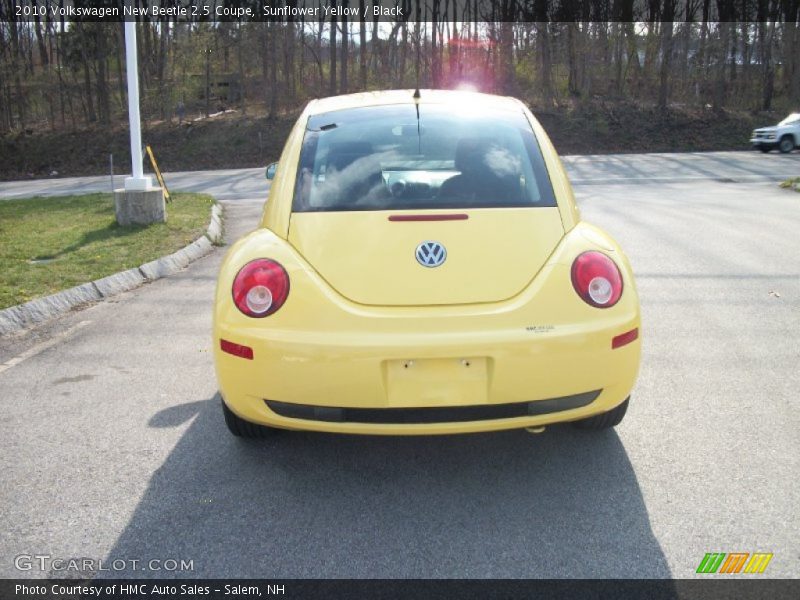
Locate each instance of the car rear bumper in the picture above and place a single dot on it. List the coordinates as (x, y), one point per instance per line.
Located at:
(429, 383)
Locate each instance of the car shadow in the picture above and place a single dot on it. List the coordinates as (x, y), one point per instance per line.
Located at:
(565, 503)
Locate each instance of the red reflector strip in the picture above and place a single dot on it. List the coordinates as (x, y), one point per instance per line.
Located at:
(454, 217)
(625, 338)
(236, 349)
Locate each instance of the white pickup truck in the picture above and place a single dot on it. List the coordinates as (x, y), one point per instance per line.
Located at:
(785, 136)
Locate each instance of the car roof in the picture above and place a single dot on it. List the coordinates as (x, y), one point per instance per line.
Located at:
(459, 97)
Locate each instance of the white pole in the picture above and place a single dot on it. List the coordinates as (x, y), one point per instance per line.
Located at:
(137, 181)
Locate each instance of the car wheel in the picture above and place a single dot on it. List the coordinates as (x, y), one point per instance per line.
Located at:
(764, 148)
(786, 144)
(241, 428)
(604, 420)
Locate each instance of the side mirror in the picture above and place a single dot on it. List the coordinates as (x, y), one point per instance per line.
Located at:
(271, 170)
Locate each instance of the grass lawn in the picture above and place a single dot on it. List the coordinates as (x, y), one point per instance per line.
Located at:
(791, 183)
(51, 244)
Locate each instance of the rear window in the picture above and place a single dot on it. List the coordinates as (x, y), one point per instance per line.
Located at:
(433, 156)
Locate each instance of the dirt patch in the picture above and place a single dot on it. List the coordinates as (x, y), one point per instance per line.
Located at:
(620, 127)
(227, 143)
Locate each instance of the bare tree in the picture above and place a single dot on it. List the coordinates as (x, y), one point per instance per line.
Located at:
(345, 49)
(668, 15)
(332, 89)
(362, 41)
(741, 55)
(541, 19)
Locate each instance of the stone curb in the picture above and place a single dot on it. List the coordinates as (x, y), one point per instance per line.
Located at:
(19, 317)
(214, 232)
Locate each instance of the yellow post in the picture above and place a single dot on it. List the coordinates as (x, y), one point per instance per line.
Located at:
(158, 173)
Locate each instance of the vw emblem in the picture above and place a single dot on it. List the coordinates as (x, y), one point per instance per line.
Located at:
(431, 254)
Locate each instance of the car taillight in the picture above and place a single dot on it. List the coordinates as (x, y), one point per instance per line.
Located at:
(597, 280)
(260, 288)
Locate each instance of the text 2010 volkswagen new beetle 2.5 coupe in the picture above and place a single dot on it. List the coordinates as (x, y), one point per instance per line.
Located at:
(421, 268)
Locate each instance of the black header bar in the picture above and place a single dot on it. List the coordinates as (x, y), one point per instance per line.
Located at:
(393, 11)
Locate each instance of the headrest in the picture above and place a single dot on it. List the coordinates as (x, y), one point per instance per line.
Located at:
(343, 154)
(471, 153)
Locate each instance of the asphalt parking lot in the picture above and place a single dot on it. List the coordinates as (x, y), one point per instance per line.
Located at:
(112, 443)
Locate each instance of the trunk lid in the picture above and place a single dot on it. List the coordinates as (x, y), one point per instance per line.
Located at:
(491, 254)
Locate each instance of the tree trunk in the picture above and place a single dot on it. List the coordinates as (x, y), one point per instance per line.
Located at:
(321, 71)
(208, 79)
(43, 57)
(60, 85)
(792, 35)
(702, 51)
(507, 47)
(120, 35)
(240, 61)
(666, 54)
(766, 35)
(103, 103)
(454, 55)
(540, 17)
(733, 50)
(573, 80)
(403, 55)
(91, 115)
(332, 49)
(418, 52)
(720, 87)
(16, 66)
(375, 43)
(626, 16)
(165, 107)
(362, 40)
(545, 64)
(273, 71)
(289, 70)
(345, 49)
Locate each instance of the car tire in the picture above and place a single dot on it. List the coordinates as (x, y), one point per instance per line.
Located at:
(604, 420)
(765, 149)
(241, 428)
(786, 144)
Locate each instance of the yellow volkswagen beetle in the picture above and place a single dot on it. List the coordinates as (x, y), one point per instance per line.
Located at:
(421, 268)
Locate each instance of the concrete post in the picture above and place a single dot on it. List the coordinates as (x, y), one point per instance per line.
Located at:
(140, 202)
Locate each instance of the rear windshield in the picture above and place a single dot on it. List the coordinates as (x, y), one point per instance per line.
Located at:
(407, 157)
